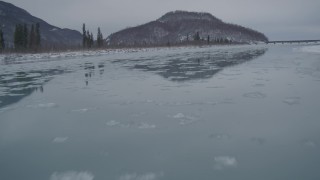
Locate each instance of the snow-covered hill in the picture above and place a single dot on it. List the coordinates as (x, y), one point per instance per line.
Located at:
(181, 26)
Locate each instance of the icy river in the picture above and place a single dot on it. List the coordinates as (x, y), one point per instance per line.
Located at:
(229, 112)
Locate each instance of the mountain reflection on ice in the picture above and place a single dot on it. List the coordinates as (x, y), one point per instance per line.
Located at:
(17, 85)
(175, 67)
(191, 66)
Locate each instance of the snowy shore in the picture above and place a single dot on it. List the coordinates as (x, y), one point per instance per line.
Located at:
(34, 57)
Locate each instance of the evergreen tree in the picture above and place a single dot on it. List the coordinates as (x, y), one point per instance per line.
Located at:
(224, 40)
(32, 36)
(91, 40)
(84, 36)
(25, 36)
(23, 39)
(15, 36)
(2, 46)
(18, 37)
(99, 38)
(38, 36)
(88, 40)
(197, 37)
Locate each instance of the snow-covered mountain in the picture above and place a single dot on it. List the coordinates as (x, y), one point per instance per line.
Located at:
(181, 26)
(11, 15)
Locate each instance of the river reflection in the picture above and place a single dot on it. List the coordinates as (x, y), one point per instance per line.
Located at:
(192, 66)
(178, 67)
(16, 86)
(90, 68)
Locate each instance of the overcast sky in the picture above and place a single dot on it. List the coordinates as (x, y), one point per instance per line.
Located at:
(278, 19)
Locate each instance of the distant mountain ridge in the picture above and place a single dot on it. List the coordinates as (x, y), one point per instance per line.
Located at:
(10, 15)
(181, 26)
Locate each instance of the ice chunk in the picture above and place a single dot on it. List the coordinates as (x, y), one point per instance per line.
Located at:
(184, 119)
(292, 100)
(80, 110)
(14, 94)
(219, 136)
(259, 85)
(113, 123)
(145, 176)
(33, 75)
(309, 143)
(45, 105)
(60, 139)
(149, 101)
(215, 87)
(223, 162)
(179, 116)
(8, 108)
(147, 126)
(258, 140)
(255, 95)
(72, 175)
(138, 114)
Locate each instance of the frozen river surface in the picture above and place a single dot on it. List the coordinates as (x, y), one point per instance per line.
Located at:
(232, 112)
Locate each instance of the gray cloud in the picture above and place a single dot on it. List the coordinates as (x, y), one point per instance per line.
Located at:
(278, 19)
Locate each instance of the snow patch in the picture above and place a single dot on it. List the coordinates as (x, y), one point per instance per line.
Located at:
(54, 29)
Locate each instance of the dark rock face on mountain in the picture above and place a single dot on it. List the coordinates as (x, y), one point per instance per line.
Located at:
(181, 26)
(11, 15)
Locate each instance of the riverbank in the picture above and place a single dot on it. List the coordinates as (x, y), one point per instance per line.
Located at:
(13, 57)
(16, 57)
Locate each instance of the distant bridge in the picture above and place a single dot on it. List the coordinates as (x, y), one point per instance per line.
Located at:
(291, 42)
